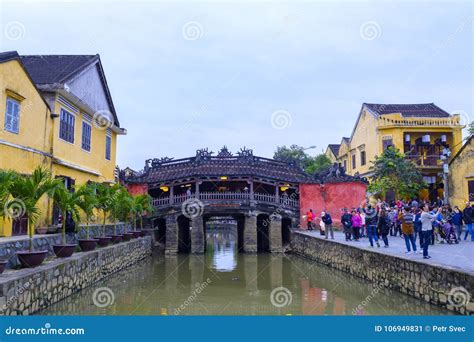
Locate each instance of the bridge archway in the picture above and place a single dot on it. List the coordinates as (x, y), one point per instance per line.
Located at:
(184, 234)
(285, 231)
(263, 233)
(160, 232)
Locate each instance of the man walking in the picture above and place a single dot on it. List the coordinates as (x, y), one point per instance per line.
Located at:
(371, 223)
(326, 218)
(468, 218)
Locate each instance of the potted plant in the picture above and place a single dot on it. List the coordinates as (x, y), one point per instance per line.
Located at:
(28, 190)
(6, 180)
(68, 203)
(125, 207)
(119, 208)
(87, 202)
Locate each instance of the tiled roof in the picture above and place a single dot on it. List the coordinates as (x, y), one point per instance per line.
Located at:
(8, 56)
(421, 110)
(222, 165)
(50, 69)
(334, 148)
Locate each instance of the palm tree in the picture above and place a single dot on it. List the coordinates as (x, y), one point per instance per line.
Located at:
(87, 202)
(142, 206)
(68, 202)
(104, 202)
(6, 180)
(117, 203)
(29, 190)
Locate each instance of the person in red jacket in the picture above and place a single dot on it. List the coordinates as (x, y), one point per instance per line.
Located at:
(309, 219)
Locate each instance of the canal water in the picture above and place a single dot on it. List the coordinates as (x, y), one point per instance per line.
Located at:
(225, 282)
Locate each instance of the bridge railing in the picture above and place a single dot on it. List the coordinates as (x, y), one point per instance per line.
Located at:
(227, 196)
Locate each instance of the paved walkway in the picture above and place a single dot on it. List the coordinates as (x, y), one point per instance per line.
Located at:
(458, 257)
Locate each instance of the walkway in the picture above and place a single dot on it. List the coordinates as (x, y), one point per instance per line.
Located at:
(458, 257)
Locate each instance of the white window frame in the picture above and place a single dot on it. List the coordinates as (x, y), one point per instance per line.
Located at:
(90, 136)
(13, 102)
(110, 147)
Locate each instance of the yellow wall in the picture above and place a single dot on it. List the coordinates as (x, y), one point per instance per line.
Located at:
(34, 130)
(38, 131)
(461, 171)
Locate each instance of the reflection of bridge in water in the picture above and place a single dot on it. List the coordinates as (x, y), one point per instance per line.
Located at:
(238, 283)
(259, 194)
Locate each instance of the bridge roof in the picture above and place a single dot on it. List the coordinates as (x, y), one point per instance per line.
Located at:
(204, 164)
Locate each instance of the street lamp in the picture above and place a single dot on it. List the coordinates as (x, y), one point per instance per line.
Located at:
(309, 148)
(444, 158)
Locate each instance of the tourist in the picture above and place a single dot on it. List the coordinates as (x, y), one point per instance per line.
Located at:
(356, 223)
(468, 218)
(363, 229)
(371, 222)
(457, 222)
(383, 226)
(326, 218)
(346, 221)
(188, 193)
(414, 203)
(427, 220)
(408, 229)
(417, 227)
(309, 219)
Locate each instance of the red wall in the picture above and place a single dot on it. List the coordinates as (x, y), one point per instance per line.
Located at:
(331, 197)
(137, 189)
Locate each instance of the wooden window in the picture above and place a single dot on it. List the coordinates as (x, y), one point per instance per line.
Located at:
(470, 190)
(353, 161)
(66, 126)
(362, 158)
(86, 136)
(108, 145)
(387, 143)
(345, 165)
(12, 115)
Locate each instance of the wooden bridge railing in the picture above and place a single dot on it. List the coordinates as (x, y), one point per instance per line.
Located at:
(213, 197)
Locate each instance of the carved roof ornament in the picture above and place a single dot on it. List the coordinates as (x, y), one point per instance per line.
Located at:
(224, 152)
(203, 154)
(244, 152)
(156, 162)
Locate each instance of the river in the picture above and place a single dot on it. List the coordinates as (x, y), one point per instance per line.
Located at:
(225, 282)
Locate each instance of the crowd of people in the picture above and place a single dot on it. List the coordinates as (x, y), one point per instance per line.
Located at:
(427, 223)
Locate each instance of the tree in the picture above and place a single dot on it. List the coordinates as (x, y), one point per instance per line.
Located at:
(28, 190)
(87, 202)
(68, 202)
(296, 155)
(319, 163)
(141, 205)
(6, 180)
(104, 203)
(394, 172)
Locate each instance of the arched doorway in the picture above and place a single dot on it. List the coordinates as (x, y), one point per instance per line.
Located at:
(263, 238)
(184, 235)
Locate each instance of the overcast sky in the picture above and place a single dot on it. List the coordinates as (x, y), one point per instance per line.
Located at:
(187, 75)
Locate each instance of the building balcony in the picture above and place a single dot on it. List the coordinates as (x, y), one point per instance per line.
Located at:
(426, 161)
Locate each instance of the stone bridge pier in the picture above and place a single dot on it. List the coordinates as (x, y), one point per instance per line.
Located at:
(256, 232)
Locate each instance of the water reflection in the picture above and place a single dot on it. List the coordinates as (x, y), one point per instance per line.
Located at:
(238, 284)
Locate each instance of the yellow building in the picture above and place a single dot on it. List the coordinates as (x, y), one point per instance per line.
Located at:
(58, 113)
(332, 151)
(421, 131)
(461, 175)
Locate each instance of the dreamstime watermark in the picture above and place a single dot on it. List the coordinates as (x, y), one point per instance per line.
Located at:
(281, 119)
(46, 330)
(14, 208)
(103, 119)
(19, 291)
(103, 297)
(285, 202)
(14, 30)
(375, 291)
(280, 297)
(199, 287)
(192, 30)
(459, 296)
(192, 208)
(370, 30)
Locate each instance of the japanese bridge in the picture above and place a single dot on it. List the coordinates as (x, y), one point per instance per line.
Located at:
(259, 194)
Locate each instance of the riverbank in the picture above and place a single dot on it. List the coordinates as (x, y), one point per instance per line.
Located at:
(26, 291)
(438, 280)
